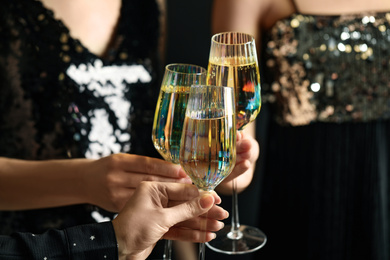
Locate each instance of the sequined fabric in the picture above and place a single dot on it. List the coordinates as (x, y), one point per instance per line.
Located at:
(324, 169)
(58, 100)
(328, 68)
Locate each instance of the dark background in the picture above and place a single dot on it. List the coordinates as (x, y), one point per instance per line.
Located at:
(188, 41)
(189, 33)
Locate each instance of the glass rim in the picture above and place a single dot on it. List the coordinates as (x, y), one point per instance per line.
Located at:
(232, 44)
(202, 69)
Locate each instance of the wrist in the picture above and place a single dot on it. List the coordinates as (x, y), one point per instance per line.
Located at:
(120, 239)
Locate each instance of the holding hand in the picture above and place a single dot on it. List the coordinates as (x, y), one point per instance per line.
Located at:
(169, 210)
(248, 151)
(112, 180)
(108, 182)
(155, 210)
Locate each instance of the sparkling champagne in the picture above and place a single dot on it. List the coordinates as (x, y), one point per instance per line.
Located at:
(168, 121)
(245, 79)
(209, 152)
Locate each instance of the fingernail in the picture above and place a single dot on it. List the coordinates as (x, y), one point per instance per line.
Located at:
(221, 225)
(187, 180)
(193, 191)
(206, 201)
(218, 200)
(213, 235)
(182, 173)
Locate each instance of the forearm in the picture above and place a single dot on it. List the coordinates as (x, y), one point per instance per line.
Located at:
(39, 184)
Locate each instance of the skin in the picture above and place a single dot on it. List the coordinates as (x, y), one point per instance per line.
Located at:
(173, 211)
(92, 22)
(108, 182)
(248, 151)
(98, 41)
(258, 16)
(159, 210)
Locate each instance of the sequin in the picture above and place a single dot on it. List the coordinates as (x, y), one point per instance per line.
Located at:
(58, 100)
(305, 68)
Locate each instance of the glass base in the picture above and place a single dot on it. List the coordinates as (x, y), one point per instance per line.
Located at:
(246, 240)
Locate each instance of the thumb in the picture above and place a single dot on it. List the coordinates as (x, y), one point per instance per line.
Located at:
(192, 208)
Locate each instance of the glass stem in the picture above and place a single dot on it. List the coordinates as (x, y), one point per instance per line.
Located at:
(202, 251)
(168, 250)
(202, 247)
(235, 232)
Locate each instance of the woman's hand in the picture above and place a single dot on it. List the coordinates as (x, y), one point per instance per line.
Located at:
(169, 210)
(108, 182)
(111, 181)
(248, 151)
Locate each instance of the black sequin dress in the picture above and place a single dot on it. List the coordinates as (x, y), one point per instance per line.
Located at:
(58, 100)
(324, 132)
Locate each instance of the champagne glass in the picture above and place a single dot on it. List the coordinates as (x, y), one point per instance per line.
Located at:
(208, 143)
(233, 63)
(169, 115)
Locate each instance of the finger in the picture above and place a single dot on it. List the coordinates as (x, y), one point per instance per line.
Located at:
(133, 180)
(217, 200)
(239, 169)
(216, 212)
(248, 149)
(198, 224)
(189, 235)
(239, 135)
(179, 194)
(243, 146)
(175, 191)
(163, 191)
(148, 165)
(243, 156)
(190, 209)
